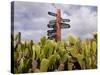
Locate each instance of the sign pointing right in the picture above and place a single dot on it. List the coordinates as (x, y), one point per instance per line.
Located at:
(64, 25)
(65, 20)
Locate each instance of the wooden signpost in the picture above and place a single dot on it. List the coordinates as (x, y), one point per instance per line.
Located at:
(57, 25)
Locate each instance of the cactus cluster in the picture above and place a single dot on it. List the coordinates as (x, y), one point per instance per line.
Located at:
(49, 55)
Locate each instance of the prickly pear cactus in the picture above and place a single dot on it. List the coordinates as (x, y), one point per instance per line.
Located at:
(49, 55)
(34, 53)
(44, 65)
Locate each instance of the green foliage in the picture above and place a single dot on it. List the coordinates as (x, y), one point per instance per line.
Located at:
(52, 60)
(44, 65)
(33, 51)
(21, 65)
(43, 40)
(37, 50)
(65, 58)
(26, 52)
(94, 47)
(48, 55)
(72, 40)
(95, 36)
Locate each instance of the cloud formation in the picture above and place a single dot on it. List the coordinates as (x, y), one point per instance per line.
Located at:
(31, 19)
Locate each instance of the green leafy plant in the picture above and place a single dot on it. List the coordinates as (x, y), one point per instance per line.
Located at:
(49, 55)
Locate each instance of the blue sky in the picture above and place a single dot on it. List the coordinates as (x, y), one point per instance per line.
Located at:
(31, 19)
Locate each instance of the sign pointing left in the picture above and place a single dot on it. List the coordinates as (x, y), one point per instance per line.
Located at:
(51, 13)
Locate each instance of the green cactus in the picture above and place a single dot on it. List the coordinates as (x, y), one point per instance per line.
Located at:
(57, 56)
(94, 47)
(80, 59)
(42, 55)
(26, 63)
(52, 59)
(19, 48)
(47, 50)
(37, 47)
(21, 65)
(26, 52)
(64, 58)
(44, 65)
(95, 36)
(43, 40)
(73, 51)
(34, 53)
(70, 66)
(72, 40)
(48, 55)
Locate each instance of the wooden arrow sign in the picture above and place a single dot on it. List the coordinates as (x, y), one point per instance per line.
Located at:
(51, 35)
(65, 20)
(51, 31)
(64, 25)
(52, 14)
(51, 24)
(52, 21)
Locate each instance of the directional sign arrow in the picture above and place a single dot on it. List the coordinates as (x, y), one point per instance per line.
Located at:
(51, 36)
(51, 31)
(51, 25)
(51, 13)
(52, 21)
(64, 25)
(65, 20)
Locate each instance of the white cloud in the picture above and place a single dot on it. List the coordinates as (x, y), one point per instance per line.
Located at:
(83, 22)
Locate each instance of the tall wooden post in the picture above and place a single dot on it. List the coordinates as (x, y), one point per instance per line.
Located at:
(58, 25)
